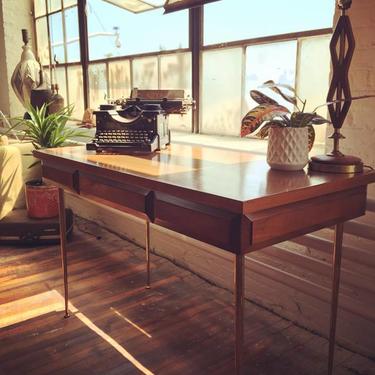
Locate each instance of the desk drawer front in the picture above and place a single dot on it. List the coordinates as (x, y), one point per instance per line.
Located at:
(115, 194)
(216, 227)
(67, 178)
(279, 224)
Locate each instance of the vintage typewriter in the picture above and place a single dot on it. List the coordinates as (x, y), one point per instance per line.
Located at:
(137, 124)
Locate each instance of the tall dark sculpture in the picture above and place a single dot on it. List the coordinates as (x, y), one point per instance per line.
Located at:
(342, 49)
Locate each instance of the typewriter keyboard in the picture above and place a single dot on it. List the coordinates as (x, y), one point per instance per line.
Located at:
(127, 136)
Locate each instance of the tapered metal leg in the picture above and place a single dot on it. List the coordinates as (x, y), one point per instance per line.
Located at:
(148, 281)
(239, 287)
(62, 220)
(339, 229)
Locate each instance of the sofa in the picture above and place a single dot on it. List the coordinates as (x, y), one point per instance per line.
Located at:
(15, 161)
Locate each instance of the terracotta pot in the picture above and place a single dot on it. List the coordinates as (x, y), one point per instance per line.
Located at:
(41, 200)
(288, 148)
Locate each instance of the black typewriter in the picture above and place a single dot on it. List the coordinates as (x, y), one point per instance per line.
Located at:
(136, 124)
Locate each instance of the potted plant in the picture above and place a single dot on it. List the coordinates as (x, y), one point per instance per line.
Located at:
(45, 130)
(291, 134)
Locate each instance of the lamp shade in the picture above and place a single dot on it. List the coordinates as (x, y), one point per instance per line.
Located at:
(174, 5)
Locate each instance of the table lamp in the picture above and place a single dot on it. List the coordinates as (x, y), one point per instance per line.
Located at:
(339, 96)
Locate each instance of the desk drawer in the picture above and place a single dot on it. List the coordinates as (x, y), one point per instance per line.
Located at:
(283, 223)
(205, 223)
(115, 194)
(67, 178)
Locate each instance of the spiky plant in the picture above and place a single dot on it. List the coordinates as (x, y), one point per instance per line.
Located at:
(47, 130)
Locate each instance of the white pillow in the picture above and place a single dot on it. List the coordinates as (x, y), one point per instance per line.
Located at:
(26, 149)
(11, 183)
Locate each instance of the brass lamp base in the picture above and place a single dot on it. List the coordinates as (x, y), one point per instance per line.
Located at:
(336, 164)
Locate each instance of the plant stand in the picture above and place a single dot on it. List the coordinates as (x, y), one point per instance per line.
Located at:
(18, 229)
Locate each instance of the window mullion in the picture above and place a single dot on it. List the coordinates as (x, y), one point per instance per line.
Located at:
(84, 49)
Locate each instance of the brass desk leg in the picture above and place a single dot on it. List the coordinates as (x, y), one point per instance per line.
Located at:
(148, 281)
(339, 229)
(239, 287)
(62, 220)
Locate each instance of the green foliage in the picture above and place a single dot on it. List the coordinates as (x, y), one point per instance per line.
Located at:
(48, 130)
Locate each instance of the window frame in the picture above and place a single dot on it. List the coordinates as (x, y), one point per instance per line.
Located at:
(65, 64)
(195, 47)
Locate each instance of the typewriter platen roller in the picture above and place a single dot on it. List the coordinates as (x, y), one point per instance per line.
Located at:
(131, 129)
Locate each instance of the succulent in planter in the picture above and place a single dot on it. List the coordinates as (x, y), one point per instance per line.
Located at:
(291, 134)
(269, 113)
(45, 130)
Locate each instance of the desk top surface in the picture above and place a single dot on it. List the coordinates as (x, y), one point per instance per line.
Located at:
(239, 178)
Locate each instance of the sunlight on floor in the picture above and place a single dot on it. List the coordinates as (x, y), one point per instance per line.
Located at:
(52, 301)
(131, 323)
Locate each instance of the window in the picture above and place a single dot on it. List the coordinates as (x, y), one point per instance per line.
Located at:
(114, 31)
(57, 35)
(244, 44)
(231, 20)
(243, 48)
(276, 61)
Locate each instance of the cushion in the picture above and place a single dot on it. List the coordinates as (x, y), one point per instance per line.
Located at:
(11, 182)
(29, 172)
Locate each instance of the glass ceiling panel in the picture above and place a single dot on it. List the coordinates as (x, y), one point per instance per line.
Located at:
(137, 6)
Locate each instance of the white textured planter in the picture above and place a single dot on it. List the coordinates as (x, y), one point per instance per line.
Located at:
(288, 148)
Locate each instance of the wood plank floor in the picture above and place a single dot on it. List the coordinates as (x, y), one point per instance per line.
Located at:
(182, 325)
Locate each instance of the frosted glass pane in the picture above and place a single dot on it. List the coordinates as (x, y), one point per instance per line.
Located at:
(313, 78)
(57, 37)
(276, 61)
(221, 92)
(75, 89)
(119, 79)
(53, 5)
(98, 85)
(229, 20)
(145, 73)
(39, 8)
(175, 73)
(60, 79)
(68, 3)
(72, 35)
(42, 40)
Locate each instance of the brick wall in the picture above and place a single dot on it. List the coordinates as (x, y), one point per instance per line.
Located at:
(359, 127)
(15, 15)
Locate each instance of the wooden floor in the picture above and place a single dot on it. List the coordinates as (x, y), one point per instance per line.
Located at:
(183, 325)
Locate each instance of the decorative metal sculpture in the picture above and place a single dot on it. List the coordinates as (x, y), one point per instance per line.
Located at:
(339, 95)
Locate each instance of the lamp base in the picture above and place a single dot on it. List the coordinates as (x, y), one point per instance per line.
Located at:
(336, 164)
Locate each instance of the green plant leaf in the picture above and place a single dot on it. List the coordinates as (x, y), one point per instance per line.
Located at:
(301, 119)
(46, 130)
(275, 88)
(261, 98)
(344, 100)
(255, 117)
(264, 130)
(319, 120)
(311, 135)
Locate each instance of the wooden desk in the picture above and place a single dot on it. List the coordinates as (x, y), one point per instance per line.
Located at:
(228, 199)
